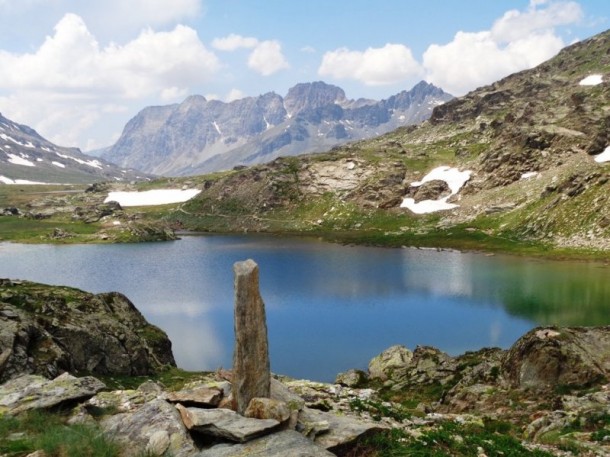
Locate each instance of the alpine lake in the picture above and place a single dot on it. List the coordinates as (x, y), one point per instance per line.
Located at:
(329, 307)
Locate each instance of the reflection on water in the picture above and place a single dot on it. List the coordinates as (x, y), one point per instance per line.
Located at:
(329, 307)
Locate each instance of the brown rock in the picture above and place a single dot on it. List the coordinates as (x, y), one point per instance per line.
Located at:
(251, 366)
(201, 396)
(267, 408)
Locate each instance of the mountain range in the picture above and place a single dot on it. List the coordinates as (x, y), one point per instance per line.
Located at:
(523, 160)
(199, 135)
(27, 157)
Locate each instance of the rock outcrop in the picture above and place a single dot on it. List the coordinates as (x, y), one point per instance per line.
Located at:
(251, 365)
(548, 357)
(49, 330)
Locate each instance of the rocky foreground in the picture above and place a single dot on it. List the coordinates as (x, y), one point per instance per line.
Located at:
(546, 395)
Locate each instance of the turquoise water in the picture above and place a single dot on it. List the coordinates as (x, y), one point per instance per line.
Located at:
(329, 307)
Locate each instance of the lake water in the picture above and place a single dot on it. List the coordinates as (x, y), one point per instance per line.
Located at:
(329, 307)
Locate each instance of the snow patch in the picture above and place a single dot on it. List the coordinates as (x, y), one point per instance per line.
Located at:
(215, 124)
(18, 160)
(57, 164)
(5, 180)
(454, 178)
(152, 197)
(591, 80)
(529, 174)
(90, 163)
(604, 156)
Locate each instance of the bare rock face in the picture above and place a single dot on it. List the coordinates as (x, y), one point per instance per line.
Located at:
(48, 330)
(575, 356)
(382, 366)
(251, 366)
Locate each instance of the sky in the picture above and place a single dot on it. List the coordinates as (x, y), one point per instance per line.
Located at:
(77, 71)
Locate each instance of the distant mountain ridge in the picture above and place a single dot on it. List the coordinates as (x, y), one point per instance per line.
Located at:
(199, 135)
(27, 157)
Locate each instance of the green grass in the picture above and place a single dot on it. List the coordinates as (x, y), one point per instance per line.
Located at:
(37, 430)
(447, 439)
(171, 378)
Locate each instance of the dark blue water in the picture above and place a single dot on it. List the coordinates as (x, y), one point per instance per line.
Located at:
(329, 307)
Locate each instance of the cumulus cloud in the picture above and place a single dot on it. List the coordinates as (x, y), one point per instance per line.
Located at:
(267, 58)
(390, 64)
(516, 41)
(233, 42)
(69, 82)
(72, 60)
(234, 94)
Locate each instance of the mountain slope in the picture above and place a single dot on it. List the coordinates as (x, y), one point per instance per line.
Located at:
(25, 157)
(534, 148)
(200, 135)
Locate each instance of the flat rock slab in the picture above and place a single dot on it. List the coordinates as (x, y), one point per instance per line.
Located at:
(224, 423)
(153, 429)
(200, 396)
(336, 432)
(37, 392)
(283, 444)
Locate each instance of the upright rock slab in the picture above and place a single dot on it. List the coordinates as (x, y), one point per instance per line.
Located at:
(251, 366)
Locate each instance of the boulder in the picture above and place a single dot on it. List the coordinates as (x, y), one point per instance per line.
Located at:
(267, 408)
(351, 378)
(203, 397)
(548, 357)
(382, 366)
(48, 330)
(226, 424)
(283, 444)
(153, 429)
(337, 434)
(251, 366)
(30, 392)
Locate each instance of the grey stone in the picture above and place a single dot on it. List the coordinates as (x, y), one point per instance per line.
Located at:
(351, 378)
(343, 432)
(280, 392)
(36, 392)
(382, 366)
(251, 366)
(199, 396)
(146, 429)
(283, 444)
(224, 423)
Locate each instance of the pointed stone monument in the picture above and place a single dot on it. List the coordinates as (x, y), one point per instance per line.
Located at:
(251, 366)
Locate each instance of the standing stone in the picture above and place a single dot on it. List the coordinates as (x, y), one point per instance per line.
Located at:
(251, 367)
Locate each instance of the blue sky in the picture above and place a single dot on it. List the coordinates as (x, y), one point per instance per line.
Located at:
(78, 71)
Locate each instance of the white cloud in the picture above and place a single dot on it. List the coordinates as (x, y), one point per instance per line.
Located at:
(390, 64)
(173, 94)
(72, 60)
(267, 58)
(308, 49)
(516, 41)
(70, 82)
(234, 94)
(117, 17)
(515, 25)
(233, 42)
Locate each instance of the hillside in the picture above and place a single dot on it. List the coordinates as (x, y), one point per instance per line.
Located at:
(26, 157)
(535, 146)
(199, 135)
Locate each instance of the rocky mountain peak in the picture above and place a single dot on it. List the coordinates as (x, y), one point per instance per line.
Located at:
(310, 96)
(199, 136)
(26, 157)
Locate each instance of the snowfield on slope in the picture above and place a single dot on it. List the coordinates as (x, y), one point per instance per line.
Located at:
(152, 197)
(454, 178)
